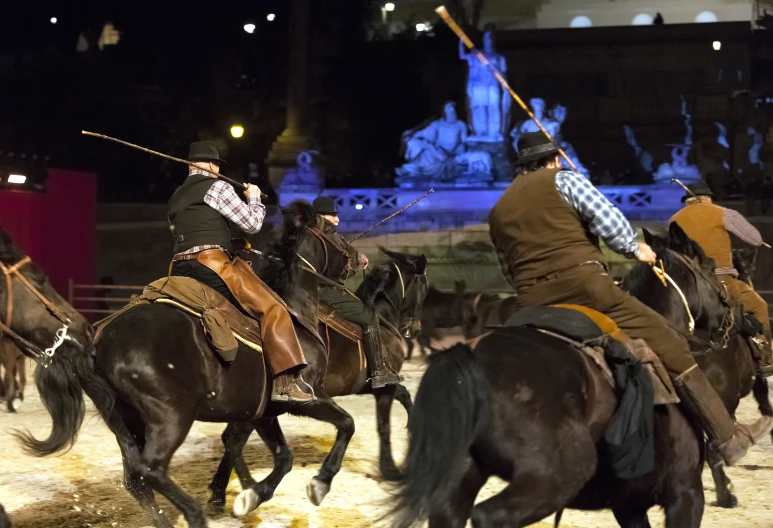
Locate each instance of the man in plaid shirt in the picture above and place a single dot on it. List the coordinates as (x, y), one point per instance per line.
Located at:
(201, 212)
(547, 226)
(711, 226)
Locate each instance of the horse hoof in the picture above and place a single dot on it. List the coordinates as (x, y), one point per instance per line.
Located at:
(245, 502)
(728, 502)
(316, 490)
(17, 404)
(215, 506)
(391, 474)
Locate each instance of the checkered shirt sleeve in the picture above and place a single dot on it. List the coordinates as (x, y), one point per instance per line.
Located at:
(223, 199)
(738, 225)
(602, 218)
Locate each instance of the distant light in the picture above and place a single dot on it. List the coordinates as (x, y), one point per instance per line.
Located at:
(358, 206)
(237, 131)
(706, 16)
(389, 6)
(581, 22)
(54, 20)
(271, 17)
(717, 45)
(642, 19)
(17, 178)
(421, 27)
(249, 28)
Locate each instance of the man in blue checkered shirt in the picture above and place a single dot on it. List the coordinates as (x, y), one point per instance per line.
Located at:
(547, 226)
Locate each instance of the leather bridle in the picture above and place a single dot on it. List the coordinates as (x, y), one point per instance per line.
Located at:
(41, 356)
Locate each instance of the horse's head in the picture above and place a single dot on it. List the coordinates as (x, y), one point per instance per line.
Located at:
(30, 306)
(745, 260)
(401, 285)
(693, 291)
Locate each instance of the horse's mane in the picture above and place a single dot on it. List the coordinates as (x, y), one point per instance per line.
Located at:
(279, 268)
(10, 253)
(378, 280)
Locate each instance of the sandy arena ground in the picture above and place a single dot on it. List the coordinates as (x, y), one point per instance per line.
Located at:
(83, 487)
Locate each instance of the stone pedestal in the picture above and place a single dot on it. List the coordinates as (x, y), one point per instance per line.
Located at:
(501, 167)
(284, 154)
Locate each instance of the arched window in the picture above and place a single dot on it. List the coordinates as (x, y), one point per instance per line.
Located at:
(706, 16)
(580, 22)
(642, 19)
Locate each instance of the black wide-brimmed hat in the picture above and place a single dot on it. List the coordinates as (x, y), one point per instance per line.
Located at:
(324, 205)
(534, 146)
(204, 151)
(700, 188)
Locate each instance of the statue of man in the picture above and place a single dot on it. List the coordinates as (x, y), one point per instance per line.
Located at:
(525, 127)
(430, 151)
(489, 105)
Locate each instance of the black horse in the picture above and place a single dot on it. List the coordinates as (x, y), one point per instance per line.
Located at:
(396, 290)
(729, 366)
(34, 313)
(529, 409)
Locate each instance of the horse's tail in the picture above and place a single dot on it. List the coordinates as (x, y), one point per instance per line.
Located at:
(450, 410)
(61, 388)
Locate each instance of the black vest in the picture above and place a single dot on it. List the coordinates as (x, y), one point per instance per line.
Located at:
(193, 222)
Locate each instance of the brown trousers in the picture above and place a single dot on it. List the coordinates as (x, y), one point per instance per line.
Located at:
(750, 301)
(589, 286)
(276, 326)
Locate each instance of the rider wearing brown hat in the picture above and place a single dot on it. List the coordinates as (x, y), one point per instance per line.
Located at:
(547, 225)
(201, 213)
(710, 226)
(347, 304)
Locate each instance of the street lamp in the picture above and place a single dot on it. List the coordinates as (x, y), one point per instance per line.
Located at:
(421, 26)
(271, 17)
(54, 20)
(389, 6)
(249, 28)
(18, 179)
(717, 45)
(237, 131)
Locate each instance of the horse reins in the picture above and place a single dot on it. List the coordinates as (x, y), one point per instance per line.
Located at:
(61, 335)
(404, 323)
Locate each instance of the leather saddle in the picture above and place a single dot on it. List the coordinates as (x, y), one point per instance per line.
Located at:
(343, 340)
(594, 334)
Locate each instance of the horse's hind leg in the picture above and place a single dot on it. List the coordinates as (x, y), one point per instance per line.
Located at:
(460, 504)
(21, 369)
(326, 410)
(386, 463)
(686, 509)
(234, 438)
(10, 383)
(632, 517)
(761, 395)
(271, 434)
(725, 497)
(404, 397)
(166, 431)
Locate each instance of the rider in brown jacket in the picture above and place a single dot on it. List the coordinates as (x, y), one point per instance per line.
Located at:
(710, 226)
(201, 212)
(547, 225)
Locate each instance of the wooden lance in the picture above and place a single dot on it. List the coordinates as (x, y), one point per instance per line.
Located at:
(443, 12)
(675, 180)
(392, 215)
(235, 183)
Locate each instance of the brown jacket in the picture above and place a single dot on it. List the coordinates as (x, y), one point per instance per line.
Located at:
(705, 224)
(537, 231)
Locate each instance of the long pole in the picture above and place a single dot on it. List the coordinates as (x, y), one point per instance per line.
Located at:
(392, 215)
(443, 12)
(235, 183)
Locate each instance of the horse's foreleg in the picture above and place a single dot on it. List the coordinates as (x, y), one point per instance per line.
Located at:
(234, 438)
(632, 517)
(725, 497)
(252, 497)
(384, 398)
(21, 365)
(686, 509)
(460, 504)
(10, 385)
(404, 397)
(326, 410)
(760, 391)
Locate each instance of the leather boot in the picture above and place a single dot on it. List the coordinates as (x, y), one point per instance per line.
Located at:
(290, 387)
(766, 353)
(381, 374)
(731, 439)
